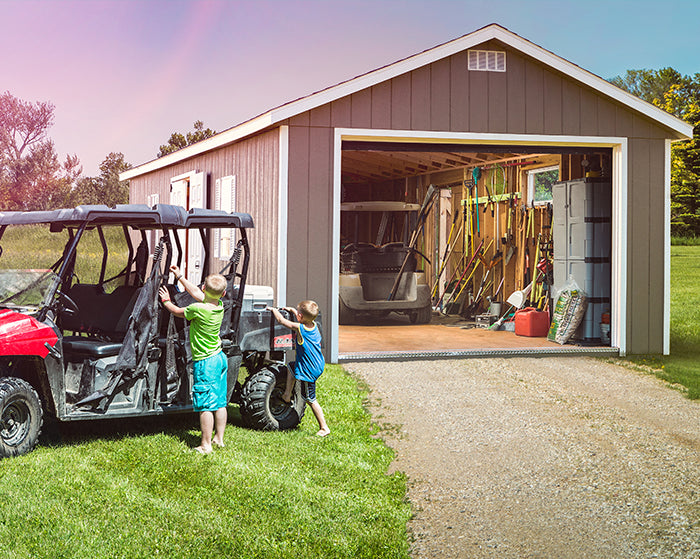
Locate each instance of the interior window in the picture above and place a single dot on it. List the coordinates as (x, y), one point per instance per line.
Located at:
(539, 184)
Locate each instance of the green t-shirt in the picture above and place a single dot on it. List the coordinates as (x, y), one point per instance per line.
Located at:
(205, 323)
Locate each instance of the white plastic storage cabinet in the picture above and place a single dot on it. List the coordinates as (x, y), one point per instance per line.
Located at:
(581, 232)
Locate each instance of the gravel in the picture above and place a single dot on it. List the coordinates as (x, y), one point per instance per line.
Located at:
(540, 457)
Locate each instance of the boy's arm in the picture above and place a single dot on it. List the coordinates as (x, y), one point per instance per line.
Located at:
(191, 288)
(168, 304)
(283, 321)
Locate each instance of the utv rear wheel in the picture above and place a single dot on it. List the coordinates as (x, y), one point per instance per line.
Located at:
(21, 417)
(262, 406)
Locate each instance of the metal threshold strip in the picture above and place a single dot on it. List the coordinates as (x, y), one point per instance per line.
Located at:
(487, 352)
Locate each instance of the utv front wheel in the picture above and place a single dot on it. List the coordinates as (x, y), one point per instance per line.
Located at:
(262, 406)
(21, 417)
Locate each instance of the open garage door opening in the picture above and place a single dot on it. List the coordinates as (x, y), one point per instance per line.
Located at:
(441, 245)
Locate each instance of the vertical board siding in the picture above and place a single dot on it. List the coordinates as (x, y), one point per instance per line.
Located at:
(440, 95)
(516, 99)
(298, 216)
(656, 245)
(638, 246)
(420, 99)
(459, 92)
(254, 161)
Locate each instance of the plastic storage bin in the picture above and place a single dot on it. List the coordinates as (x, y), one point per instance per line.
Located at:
(531, 322)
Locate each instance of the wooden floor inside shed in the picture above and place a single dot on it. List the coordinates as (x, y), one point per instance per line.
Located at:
(444, 336)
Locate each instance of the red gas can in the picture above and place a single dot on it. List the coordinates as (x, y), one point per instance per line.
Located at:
(531, 322)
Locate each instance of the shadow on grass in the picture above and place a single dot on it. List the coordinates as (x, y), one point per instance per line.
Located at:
(183, 425)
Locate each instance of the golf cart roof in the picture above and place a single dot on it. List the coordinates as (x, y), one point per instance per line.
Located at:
(138, 216)
(379, 206)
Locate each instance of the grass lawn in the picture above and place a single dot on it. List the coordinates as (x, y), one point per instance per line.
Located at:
(136, 489)
(682, 366)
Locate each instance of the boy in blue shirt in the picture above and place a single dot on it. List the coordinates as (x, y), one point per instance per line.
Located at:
(210, 366)
(309, 362)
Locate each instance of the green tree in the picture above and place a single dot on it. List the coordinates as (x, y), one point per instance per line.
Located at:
(106, 188)
(31, 176)
(680, 96)
(178, 141)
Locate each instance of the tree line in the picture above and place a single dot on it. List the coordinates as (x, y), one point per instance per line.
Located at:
(33, 178)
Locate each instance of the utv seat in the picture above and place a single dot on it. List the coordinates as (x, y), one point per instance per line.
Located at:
(79, 348)
(100, 313)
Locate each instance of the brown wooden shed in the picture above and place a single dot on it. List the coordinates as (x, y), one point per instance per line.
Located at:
(489, 98)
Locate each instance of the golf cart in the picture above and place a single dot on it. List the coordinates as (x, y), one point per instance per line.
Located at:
(84, 337)
(379, 278)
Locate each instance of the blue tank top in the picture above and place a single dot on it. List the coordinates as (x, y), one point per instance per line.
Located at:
(309, 358)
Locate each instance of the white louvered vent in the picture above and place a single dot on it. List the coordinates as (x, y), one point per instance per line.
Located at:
(487, 60)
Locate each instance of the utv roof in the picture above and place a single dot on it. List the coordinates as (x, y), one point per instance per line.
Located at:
(139, 216)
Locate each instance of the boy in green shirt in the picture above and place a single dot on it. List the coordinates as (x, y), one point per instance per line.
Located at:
(210, 366)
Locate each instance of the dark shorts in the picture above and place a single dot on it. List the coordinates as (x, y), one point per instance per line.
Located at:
(308, 391)
(210, 383)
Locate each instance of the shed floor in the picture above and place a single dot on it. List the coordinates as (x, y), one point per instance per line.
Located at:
(396, 338)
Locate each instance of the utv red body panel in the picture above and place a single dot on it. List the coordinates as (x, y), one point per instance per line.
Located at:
(23, 335)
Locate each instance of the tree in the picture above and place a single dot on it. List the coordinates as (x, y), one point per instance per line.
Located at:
(680, 96)
(31, 176)
(106, 188)
(178, 141)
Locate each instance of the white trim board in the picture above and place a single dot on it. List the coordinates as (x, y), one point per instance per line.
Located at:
(409, 64)
(619, 191)
(282, 216)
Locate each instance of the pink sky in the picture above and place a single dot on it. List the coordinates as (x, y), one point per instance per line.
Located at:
(124, 74)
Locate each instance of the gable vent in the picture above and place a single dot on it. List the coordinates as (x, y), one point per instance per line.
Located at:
(487, 60)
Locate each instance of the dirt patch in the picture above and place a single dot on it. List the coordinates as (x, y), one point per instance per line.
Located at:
(541, 457)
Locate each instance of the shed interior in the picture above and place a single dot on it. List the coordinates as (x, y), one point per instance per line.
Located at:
(502, 221)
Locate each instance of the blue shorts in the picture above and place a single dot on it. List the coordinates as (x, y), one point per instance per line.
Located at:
(308, 391)
(210, 386)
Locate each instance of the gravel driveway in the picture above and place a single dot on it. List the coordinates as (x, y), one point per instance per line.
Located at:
(541, 457)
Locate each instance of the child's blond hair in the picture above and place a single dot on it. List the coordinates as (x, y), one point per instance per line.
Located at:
(308, 309)
(215, 285)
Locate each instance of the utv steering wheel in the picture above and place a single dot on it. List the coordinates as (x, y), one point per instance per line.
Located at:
(69, 307)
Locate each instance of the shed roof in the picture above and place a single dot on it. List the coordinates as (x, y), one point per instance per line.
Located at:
(364, 81)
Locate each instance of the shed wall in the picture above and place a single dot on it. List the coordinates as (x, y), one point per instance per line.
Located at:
(528, 98)
(255, 163)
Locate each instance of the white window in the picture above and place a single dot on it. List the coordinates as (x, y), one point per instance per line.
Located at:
(189, 191)
(539, 184)
(225, 199)
(487, 60)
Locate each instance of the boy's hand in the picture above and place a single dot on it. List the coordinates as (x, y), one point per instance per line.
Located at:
(164, 294)
(175, 269)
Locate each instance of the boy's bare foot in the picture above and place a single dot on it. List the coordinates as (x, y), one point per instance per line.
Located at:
(220, 444)
(202, 450)
(323, 433)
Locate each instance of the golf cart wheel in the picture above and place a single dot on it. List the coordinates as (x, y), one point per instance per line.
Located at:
(345, 314)
(421, 316)
(21, 417)
(262, 406)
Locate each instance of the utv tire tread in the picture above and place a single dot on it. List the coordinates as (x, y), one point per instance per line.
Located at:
(256, 401)
(19, 394)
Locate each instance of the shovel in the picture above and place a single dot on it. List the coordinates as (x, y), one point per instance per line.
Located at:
(516, 301)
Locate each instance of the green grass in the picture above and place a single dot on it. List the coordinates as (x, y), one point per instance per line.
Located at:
(682, 367)
(136, 489)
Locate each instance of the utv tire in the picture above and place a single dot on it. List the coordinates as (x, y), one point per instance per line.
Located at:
(261, 401)
(21, 417)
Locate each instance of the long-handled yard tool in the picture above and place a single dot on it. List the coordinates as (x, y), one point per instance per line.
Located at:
(453, 294)
(448, 252)
(422, 216)
(495, 259)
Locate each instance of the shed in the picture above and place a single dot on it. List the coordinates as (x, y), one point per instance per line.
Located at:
(489, 100)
